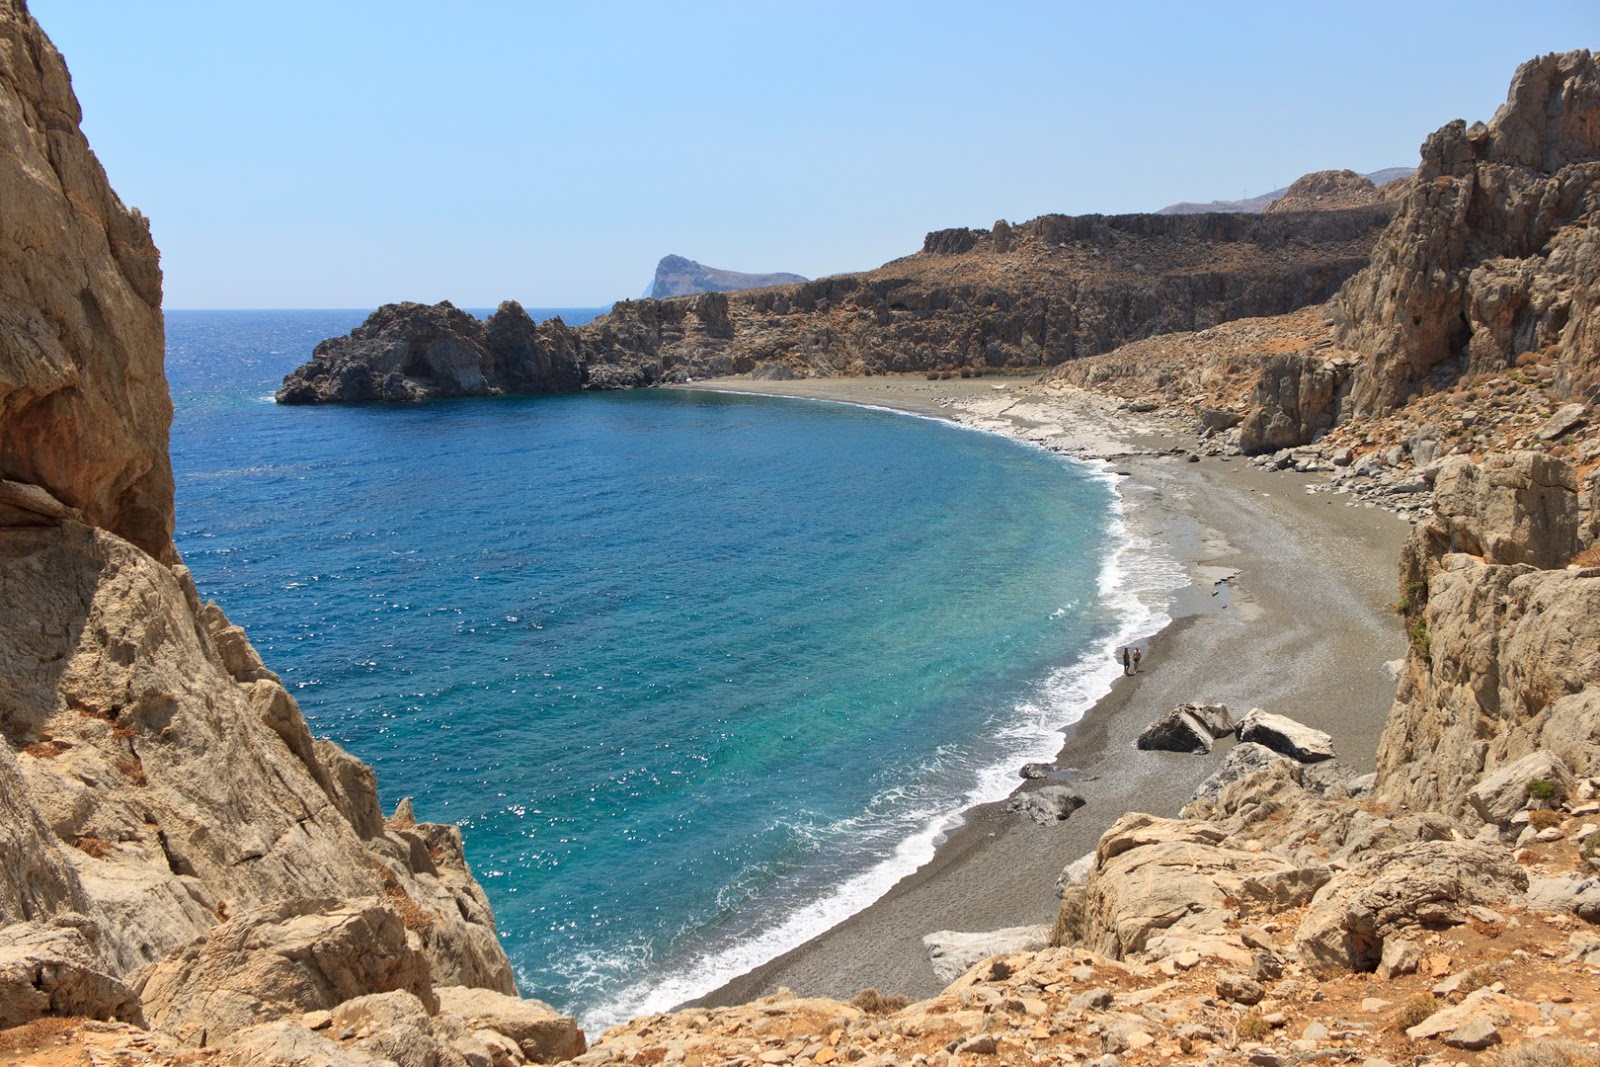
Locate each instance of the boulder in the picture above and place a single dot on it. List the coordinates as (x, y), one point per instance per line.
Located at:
(1215, 717)
(1046, 806)
(952, 953)
(543, 1034)
(1176, 731)
(1519, 507)
(1501, 794)
(1480, 1004)
(283, 960)
(55, 968)
(1579, 896)
(1398, 892)
(288, 1044)
(1286, 736)
(1161, 887)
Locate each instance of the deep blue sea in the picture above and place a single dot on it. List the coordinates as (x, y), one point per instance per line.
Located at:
(698, 675)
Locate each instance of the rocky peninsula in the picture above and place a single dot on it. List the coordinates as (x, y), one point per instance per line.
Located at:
(677, 276)
(188, 876)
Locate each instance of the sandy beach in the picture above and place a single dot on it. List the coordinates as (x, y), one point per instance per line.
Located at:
(1286, 610)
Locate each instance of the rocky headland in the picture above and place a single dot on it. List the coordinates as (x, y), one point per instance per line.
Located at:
(188, 876)
(1380, 179)
(677, 276)
(1038, 293)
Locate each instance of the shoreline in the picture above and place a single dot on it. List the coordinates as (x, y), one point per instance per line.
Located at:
(1247, 631)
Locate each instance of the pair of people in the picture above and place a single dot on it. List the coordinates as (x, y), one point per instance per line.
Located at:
(1130, 662)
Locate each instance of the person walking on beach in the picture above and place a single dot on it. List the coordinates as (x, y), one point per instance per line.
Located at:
(1127, 664)
(1135, 659)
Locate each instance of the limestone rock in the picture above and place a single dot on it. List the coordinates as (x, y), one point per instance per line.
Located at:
(1490, 253)
(1520, 507)
(56, 969)
(281, 961)
(1242, 760)
(1399, 958)
(84, 410)
(1400, 891)
(1176, 731)
(287, 1044)
(1503, 793)
(952, 953)
(1286, 736)
(543, 1034)
(1163, 886)
(1295, 395)
(1045, 806)
(1240, 989)
(1581, 897)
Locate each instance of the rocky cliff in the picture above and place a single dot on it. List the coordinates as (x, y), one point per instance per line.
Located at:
(1042, 292)
(676, 276)
(176, 849)
(1493, 254)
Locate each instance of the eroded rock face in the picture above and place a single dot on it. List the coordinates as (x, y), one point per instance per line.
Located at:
(409, 352)
(84, 410)
(1494, 252)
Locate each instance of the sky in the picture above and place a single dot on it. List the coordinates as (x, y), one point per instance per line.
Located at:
(348, 153)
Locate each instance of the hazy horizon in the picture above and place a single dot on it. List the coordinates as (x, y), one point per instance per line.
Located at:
(300, 156)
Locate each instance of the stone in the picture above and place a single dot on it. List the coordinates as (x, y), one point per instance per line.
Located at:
(55, 969)
(1504, 792)
(1035, 770)
(1426, 885)
(1567, 418)
(953, 953)
(284, 1044)
(83, 387)
(1242, 760)
(1286, 736)
(1399, 958)
(1240, 989)
(1474, 1035)
(1046, 806)
(543, 1034)
(282, 960)
(1176, 731)
(1581, 897)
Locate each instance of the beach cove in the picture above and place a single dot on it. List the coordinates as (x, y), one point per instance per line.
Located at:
(1288, 610)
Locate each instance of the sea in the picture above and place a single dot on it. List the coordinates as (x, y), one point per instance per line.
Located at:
(698, 675)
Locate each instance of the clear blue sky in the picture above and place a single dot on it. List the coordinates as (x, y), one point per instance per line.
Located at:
(346, 153)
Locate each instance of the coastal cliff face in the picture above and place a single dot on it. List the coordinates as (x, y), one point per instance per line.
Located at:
(676, 276)
(1493, 253)
(1042, 292)
(176, 849)
(84, 409)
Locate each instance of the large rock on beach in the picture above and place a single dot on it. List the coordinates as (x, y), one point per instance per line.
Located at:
(1187, 728)
(1046, 806)
(1284, 735)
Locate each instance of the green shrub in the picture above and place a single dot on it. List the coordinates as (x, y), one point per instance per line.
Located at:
(1542, 789)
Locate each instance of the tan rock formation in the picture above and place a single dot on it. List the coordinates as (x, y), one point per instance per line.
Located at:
(1326, 190)
(84, 410)
(1494, 251)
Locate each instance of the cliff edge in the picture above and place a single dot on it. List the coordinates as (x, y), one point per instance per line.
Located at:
(176, 850)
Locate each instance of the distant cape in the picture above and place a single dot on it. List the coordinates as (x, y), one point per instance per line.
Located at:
(1257, 204)
(676, 276)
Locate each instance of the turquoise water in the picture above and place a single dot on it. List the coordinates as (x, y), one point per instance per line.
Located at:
(698, 675)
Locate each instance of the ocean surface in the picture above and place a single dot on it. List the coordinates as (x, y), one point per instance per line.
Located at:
(698, 675)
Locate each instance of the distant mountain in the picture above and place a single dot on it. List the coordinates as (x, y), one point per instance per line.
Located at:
(676, 276)
(1256, 204)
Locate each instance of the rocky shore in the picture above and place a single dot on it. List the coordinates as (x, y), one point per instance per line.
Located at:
(188, 876)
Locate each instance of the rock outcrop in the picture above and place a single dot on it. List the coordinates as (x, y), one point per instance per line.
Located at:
(1494, 251)
(1042, 292)
(409, 352)
(1326, 190)
(84, 410)
(676, 276)
(178, 850)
